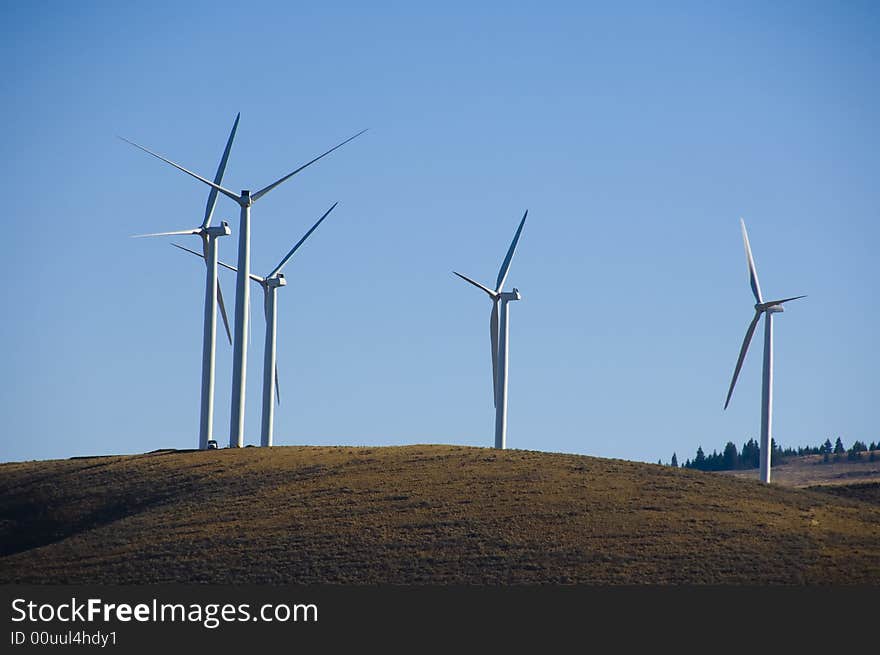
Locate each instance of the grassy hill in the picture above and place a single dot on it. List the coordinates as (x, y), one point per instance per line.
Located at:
(420, 514)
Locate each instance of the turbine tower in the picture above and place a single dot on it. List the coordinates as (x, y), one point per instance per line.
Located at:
(213, 295)
(242, 290)
(499, 323)
(767, 309)
(270, 284)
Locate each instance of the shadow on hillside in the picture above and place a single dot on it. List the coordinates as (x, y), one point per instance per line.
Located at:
(28, 524)
(868, 492)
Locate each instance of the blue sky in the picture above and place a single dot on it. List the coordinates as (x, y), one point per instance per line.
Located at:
(636, 134)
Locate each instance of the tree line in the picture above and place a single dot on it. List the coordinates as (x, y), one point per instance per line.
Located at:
(749, 457)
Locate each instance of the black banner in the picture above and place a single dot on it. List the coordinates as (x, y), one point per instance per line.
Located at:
(238, 619)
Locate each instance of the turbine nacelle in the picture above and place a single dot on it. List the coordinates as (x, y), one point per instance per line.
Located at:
(509, 296)
(221, 230)
(774, 306)
(275, 281)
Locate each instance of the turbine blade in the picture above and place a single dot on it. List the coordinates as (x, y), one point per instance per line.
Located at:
(491, 293)
(255, 278)
(742, 355)
(225, 192)
(770, 303)
(493, 333)
(753, 272)
(222, 306)
(505, 265)
(218, 178)
(197, 254)
(262, 192)
(266, 314)
(287, 257)
(166, 234)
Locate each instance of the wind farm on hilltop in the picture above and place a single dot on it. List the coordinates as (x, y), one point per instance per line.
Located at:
(247, 271)
(420, 513)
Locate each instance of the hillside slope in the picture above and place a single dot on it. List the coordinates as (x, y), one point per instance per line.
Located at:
(418, 514)
(811, 470)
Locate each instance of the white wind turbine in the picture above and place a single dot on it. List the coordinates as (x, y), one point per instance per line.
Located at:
(242, 290)
(767, 309)
(498, 331)
(270, 284)
(213, 295)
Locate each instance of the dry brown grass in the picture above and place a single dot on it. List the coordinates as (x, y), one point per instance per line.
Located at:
(811, 471)
(419, 514)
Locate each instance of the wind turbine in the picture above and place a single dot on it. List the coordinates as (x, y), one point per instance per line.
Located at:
(213, 295)
(242, 290)
(767, 309)
(498, 331)
(270, 284)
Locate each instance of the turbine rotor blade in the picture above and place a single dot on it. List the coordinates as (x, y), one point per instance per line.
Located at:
(770, 303)
(190, 250)
(255, 278)
(753, 272)
(742, 355)
(262, 192)
(492, 294)
(287, 257)
(493, 333)
(219, 188)
(218, 178)
(167, 234)
(266, 314)
(505, 265)
(222, 307)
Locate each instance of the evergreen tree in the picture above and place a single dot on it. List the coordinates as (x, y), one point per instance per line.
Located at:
(700, 459)
(838, 447)
(854, 453)
(826, 447)
(674, 460)
(776, 453)
(731, 457)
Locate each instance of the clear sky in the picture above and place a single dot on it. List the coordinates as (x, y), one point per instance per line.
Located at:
(636, 134)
